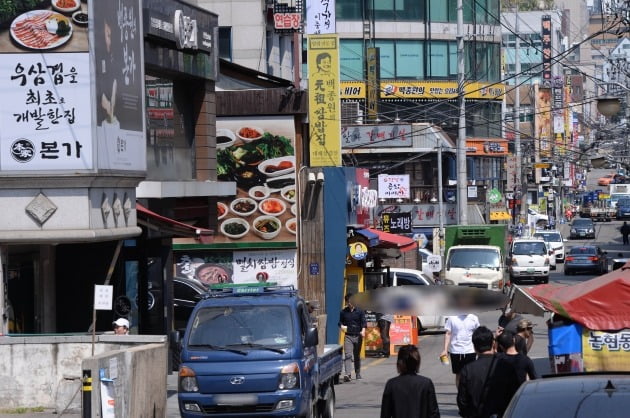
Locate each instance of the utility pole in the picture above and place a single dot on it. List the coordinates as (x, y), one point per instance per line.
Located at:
(462, 174)
(517, 125)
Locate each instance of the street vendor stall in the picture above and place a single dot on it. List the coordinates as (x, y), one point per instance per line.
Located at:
(589, 329)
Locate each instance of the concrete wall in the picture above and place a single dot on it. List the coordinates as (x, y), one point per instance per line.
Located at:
(138, 380)
(46, 371)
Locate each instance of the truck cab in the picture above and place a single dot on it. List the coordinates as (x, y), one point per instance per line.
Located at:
(251, 350)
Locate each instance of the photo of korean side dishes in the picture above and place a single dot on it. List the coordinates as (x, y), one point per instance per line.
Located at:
(261, 160)
(36, 25)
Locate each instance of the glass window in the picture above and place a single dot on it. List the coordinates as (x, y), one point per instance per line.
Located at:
(464, 258)
(383, 9)
(403, 279)
(225, 43)
(438, 54)
(409, 59)
(438, 11)
(349, 9)
(351, 59)
(388, 60)
(452, 59)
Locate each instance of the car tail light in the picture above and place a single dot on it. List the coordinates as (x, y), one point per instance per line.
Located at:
(569, 258)
(593, 258)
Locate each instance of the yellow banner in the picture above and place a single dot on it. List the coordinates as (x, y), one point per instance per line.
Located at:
(323, 100)
(423, 90)
(606, 351)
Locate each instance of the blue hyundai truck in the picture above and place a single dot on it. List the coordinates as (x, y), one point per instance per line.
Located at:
(251, 351)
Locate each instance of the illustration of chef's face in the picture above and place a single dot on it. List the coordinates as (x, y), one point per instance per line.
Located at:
(212, 275)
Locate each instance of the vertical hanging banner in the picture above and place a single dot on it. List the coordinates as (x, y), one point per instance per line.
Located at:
(546, 50)
(543, 120)
(320, 17)
(324, 101)
(373, 83)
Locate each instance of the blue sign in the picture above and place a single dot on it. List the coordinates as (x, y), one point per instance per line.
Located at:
(313, 268)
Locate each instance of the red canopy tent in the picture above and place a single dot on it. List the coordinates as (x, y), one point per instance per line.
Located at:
(602, 303)
(388, 240)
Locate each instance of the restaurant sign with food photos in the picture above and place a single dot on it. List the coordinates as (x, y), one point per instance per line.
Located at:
(218, 267)
(48, 101)
(259, 155)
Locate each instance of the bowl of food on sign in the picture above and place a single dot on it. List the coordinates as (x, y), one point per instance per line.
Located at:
(294, 209)
(248, 155)
(243, 206)
(272, 206)
(249, 133)
(80, 18)
(259, 192)
(225, 138)
(291, 225)
(65, 6)
(267, 227)
(247, 177)
(234, 228)
(276, 167)
(222, 210)
(288, 193)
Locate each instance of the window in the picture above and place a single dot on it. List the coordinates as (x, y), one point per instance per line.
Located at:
(388, 58)
(403, 279)
(351, 59)
(409, 59)
(225, 43)
(349, 9)
(438, 55)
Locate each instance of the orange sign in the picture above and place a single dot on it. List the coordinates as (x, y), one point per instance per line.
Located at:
(487, 147)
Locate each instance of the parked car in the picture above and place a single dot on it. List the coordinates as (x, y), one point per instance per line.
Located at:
(569, 396)
(186, 293)
(586, 258)
(582, 228)
(529, 259)
(623, 209)
(605, 180)
(555, 241)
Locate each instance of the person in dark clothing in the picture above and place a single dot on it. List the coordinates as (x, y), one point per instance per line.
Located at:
(524, 338)
(352, 322)
(625, 230)
(508, 320)
(487, 384)
(523, 365)
(409, 395)
(384, 322)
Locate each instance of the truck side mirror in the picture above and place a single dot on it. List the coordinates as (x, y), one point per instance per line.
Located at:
(312, 338)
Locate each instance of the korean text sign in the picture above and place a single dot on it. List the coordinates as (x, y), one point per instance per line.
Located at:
(320, 16)
(324, 100)
(393, 186)
(606, 351)
(45, 112)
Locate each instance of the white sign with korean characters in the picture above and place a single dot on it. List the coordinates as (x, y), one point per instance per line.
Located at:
(280, 267)
(320, 17)
(45, 112)
(392, 186)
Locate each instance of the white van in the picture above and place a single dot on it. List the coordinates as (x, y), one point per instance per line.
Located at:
(529, 259)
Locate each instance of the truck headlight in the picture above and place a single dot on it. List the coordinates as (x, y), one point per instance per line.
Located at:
(497, 285)
(514, 262)
(590, 231)
(289, 377)
(188, 380)
(573, 230)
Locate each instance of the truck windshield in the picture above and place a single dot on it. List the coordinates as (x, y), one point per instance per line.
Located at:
(549, 236)
(244, 326)
(474, 257)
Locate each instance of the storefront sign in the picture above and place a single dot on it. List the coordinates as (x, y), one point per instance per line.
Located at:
(546, 50)
(423, 214)
(185, 29)
(400, 330)
(324, 104)
(605, 351)
(287, 18)
(45, 112)
(357, 250)
(423, 90)
(376, 136)
(396, 223)
(320, 17)
(493, 148)
(391, 186)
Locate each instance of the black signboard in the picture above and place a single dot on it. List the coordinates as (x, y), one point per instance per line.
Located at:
(396, 223)
(546, 50)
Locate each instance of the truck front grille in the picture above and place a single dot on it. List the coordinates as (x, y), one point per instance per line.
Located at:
(237, 409)
(478, 285)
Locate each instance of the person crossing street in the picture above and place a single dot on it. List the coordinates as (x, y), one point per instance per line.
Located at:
(353, 323)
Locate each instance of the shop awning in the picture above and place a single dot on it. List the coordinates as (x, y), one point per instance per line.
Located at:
(370, 236)
(387, 240)
(157, 222)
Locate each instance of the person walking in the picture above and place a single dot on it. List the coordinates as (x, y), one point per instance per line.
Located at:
(121, 326)
(487, 384)
(625, 230)
(524, 338)
(409, 395)
(458, 341)
(384, 322)
(353, 323)
(523, 365)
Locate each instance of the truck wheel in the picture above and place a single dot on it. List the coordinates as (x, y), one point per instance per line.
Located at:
(312, 410)
(327, 405)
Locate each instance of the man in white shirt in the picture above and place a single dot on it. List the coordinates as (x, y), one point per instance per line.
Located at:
(458, 341)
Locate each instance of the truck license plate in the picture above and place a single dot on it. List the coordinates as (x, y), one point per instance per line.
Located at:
(582, 234)
(530, 270)
(236, 399)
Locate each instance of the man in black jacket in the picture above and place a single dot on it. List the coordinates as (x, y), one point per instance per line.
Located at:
(352, 322)
(487, 384)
